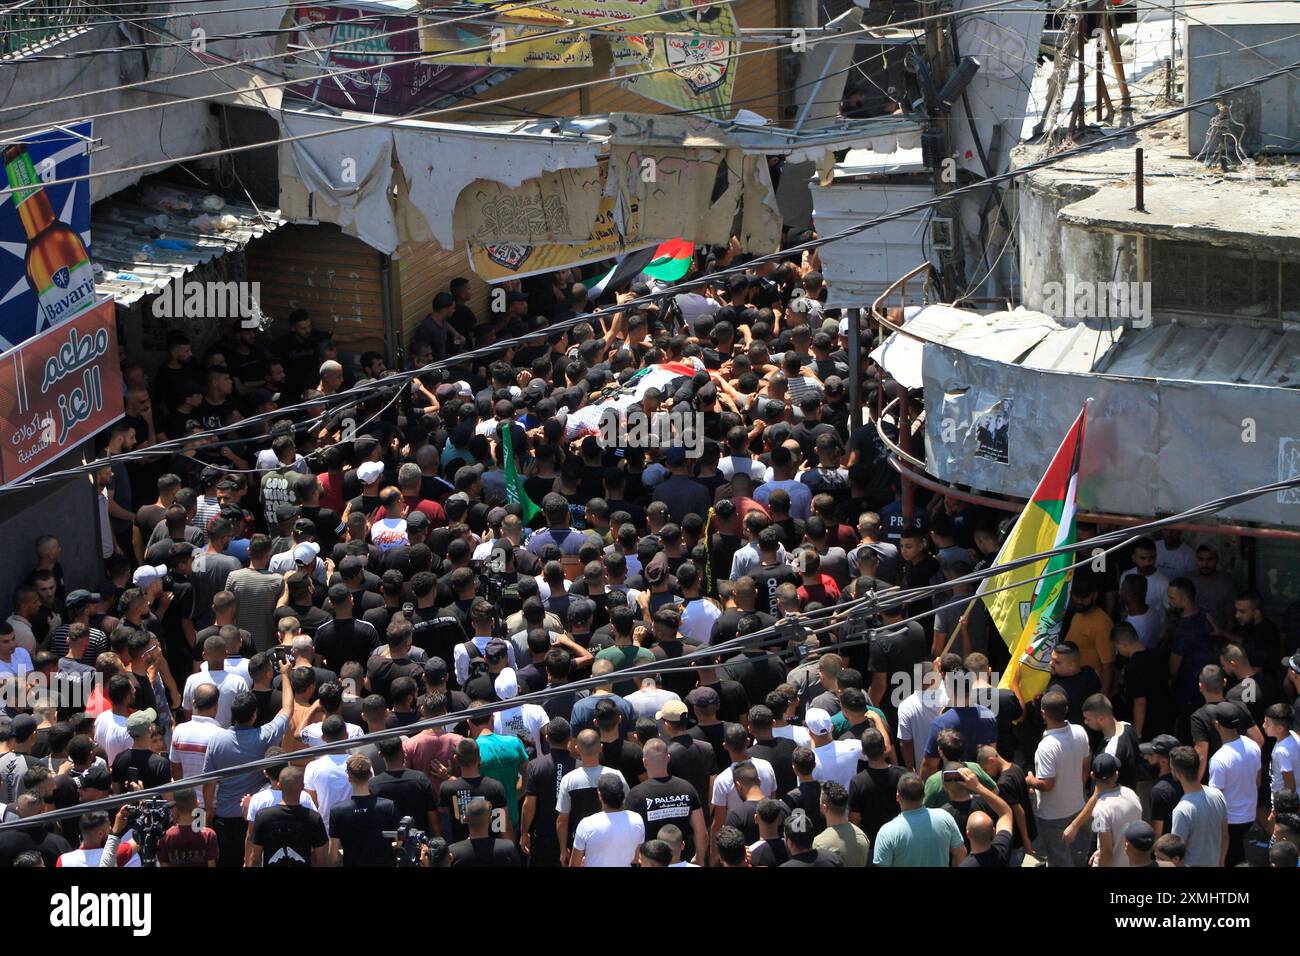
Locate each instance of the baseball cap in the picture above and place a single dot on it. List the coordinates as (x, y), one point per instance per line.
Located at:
(304, 526)
(1161, 745)
(1140, 834)
(147, 574)
(1228, 714)
(703, 697)
(657, 569)
(516, 297)
(415, 520)
(137, 725)
(506, 685)
(97, 778)
(817, 721)
(435, 670)
(306, 552)
(286, 512)
(79, 597)
(264, 396)
(675, 456)
(1105, 766)
(369, 471)
(496, 516)
(674, 710)
(1292, 663)
(834, 385)
(24, 725)
(496, 648)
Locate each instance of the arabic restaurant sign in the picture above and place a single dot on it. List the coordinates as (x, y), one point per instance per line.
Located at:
(57, 390)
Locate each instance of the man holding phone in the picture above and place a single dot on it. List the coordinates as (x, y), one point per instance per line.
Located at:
(142, 763)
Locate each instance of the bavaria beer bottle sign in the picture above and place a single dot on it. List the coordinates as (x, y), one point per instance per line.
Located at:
(46, 277)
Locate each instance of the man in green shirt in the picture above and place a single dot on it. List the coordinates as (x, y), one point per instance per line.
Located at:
(501, 757)
(918, 836)
(840, 836)
(625, 652)
(951, 747)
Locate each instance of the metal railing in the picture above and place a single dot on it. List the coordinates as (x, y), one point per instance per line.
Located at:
(31, 23)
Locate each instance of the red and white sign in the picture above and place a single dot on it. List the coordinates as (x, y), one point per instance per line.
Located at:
(57, 389)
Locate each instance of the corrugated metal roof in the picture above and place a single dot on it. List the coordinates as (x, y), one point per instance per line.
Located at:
(1021, 337)
(1233, 354)
(140, 252)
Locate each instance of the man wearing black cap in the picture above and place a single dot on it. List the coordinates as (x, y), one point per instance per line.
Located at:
(1235, 772)
(79, 605)
(1108, 812)
(1166, 791)
(1139, 840)
(679, 490)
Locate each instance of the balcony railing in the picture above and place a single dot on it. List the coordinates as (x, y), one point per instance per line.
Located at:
(31, 23)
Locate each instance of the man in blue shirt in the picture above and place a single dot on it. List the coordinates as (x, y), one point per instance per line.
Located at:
(244, 741)
(976, 723)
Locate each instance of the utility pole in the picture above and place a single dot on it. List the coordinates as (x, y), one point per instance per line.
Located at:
(952, 259)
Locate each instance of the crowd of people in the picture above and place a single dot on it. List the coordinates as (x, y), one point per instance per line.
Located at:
(650, 656)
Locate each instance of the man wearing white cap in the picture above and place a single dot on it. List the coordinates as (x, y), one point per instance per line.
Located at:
(525, 721)
(836, 759)
(148, 577)
(304, 556)
(370, 474)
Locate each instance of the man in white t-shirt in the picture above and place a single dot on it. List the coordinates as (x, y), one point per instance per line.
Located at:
(1234, 772)
(326, 778)
(735, 739)
(917, 713)
(1284, 762)
(190, 739)
(1114, 808)
(650, 699)
(110, 726)
(525, 721)
(836, 759)
(1062, 765)
(611, 837)
(228, 683)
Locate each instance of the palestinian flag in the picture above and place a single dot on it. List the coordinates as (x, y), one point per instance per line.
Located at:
(1029, 615)
(666, 262)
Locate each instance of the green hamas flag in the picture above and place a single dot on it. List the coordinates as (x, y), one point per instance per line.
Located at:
(515, 484)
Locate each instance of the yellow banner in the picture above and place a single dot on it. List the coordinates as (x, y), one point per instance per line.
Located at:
(513, 260)
(509, 48)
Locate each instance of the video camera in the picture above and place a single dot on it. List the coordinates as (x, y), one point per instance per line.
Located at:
(408, 840)
(150, 819)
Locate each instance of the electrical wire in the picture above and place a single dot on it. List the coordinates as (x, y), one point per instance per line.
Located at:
(355, 393)
(785, 631)
(421, 115)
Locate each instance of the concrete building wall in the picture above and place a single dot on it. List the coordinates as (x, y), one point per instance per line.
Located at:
(1050, 251)
(64, 509)
(129, 139)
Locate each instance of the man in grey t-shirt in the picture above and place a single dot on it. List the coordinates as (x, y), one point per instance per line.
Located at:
(1201, 816)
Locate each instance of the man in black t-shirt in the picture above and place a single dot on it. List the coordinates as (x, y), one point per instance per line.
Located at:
(481, 848)
(873, 791)
(455, 796)
(664, 799)
(412, 792)
(1167, 791)
(357, 824)
(689, 757)
(542, 778)
(289, 834)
